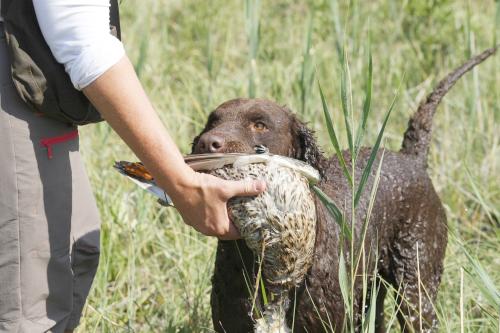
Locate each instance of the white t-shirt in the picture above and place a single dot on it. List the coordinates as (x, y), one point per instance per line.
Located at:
(78, 34)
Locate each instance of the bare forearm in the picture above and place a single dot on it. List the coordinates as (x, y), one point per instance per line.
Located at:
(200, 199)
(120, 98)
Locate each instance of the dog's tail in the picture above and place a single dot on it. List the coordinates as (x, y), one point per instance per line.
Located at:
(418, 134)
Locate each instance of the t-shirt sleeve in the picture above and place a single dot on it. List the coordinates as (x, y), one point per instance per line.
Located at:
(78, 34)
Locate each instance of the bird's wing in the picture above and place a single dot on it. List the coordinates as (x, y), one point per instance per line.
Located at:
(136, 171)
(282, 161)
(201, 162)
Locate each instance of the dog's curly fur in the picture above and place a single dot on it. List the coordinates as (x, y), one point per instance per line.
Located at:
(405, 239)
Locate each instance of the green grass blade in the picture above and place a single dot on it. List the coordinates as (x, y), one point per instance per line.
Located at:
(372, 314)
(344, 284)
(263, 291)
(497, 24)
(307, 72)
(294, 308)
(334, 211)
(489, 210)
(373, 155)
(484, 283)
(333, 136)
(210, 56)
(339, 41)
(366, 105)
(337, 214)
(252, 10)
(143, 55)
(246, 278)
(369, 210)
(323, 323)
(468, 31)
(346, 97)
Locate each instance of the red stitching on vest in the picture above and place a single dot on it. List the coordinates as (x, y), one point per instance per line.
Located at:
(48, 142)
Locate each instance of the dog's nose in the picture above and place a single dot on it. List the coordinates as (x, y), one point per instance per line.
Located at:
(211, 143)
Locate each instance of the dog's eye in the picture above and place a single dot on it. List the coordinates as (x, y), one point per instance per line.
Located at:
(259, 126)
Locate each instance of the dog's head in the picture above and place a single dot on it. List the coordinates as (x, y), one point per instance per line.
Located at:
(239, 125)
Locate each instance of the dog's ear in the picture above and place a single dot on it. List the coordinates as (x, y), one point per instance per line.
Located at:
(305, 147)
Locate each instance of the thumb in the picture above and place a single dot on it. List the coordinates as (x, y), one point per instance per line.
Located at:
(245, 188)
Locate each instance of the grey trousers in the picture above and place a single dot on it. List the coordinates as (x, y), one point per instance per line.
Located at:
(49, 223)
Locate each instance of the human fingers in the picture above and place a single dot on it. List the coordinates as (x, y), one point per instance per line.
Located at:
(246, 187)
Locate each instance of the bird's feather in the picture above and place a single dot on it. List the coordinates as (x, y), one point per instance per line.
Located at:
(136, 171)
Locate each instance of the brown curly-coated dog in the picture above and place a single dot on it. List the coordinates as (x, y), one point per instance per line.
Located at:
(407, 219)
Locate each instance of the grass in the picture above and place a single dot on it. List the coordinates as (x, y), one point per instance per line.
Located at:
(193, 55)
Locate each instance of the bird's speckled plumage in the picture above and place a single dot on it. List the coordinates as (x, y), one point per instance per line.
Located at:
(282, 218)
(280, 224)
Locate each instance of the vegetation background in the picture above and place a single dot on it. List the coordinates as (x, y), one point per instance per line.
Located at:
(192, 55)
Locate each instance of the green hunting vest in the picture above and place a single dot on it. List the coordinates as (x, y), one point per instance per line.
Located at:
(39, 79)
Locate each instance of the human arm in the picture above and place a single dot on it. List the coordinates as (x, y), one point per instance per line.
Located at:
(200, 198)
(77, 32)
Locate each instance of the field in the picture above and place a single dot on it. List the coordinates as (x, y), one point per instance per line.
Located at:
(154, 274)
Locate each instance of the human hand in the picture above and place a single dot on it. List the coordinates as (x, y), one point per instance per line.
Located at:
(201, 200)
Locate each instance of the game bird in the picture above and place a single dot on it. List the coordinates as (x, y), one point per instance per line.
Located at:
(279, 225)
